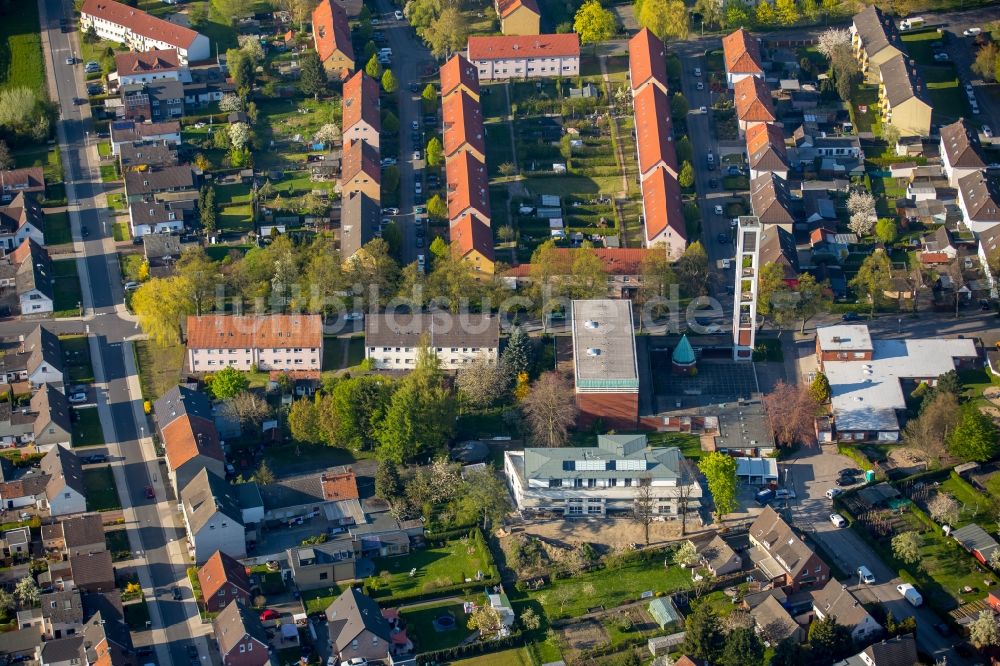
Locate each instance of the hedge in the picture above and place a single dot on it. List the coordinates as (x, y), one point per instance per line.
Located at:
(515, 639)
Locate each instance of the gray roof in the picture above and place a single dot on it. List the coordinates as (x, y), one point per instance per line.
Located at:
(150, 154)
(359, 223)
(780, 541)
(898, 651)
(604, 345)
(100, 627)
(961, 145)
(293, 491)
(715, 552)
(22, 209)
(20, 641)
(82, 530)
(974, 537)
(771, 199)
(62, 649)
(147, 182)
(233, 623)
(773, 619)
(159, 212)
(902, 81)
(350, 614)
(35, 272)
(835, 600)
(92, 570)
(52, 410)
(777, 246)
(876, 30)
(207, 494)
(157, 246)
(405, 330)
(64, 470)
(181, 401)
(605, 461)
(937, 241)
(126, 131)
(62, 606)
(165, 89)
(981, 195)
(42, 346)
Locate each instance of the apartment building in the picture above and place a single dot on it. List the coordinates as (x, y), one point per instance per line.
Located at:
(463, 126)
(140, 31)
(647, 62)
(874, 40)
(468, 190)
(525, 57)
(903, 98)
(459, 75)
(663, 213)
(602, 480)
(393, 341)
(361, 110)
(741, 54)
(269, 342)
(136, 67)
(332, 38)
(472, 243)
(360, 170)
(519, 17)
(360, 223)
(623, 267)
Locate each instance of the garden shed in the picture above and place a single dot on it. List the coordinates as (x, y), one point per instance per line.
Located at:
(664, 612)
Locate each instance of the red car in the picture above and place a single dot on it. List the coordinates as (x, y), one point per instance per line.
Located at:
(269, 614)
(150, 494)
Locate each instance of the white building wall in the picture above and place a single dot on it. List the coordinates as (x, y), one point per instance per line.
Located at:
(528, 68)
(199, 49)
(210, 360)
(451, 358)
(364, 132)
(66, 502)
(35, 302)
(220, 533)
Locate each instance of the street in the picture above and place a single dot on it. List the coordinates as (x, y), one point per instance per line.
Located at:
(158, 546)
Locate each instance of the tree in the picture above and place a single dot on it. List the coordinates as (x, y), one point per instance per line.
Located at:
(550, 409)
(819, 389)
(487, 495)
(200, 275)
(974, 437)
(421, 413)
(239, 135)
(830, 639)
(6, 160)
(686, 176)
(644, 505)
(891, 134)
(791, 411)
(594, 23)
(587, 278)
(720, 473)
(787, 12)
(664, 18)
(517, 356)
(925, 436)
(160, 304)
(810, 298)
(703, 638)
(743, 647)
(447, 33)
(230, 103)
(328, 134)
(26, 592)
(434, 152)
(679, 106)
(241, 69)
(906, 547)
(709, 10)
(389, 83)
(350, 416)
(227, 382)
(529, 620)
(692, 270)
(810, 9)
(304, 422)
(685, 153)
(483, 384)
(736, 14)
(207, 212)
(788, 653)
(983, 630)
(374, 67)
(6, 602)
(390, 179)
(986, 61)
(861, 206)
(390, 123)
(507, 169)
(437, 207)
(873, 277)
(944, 508)
(429, 97)
(388, 484)
(264, 476)
(765, 14)
(831, 40)
(312, 76)
(487, 620)
(248, 409)
(885, 230)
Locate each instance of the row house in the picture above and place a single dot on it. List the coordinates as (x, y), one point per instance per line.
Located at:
(472, 243)
(146, 185)
(741, 53)
(140, 31)
(753, 103)
(507, 57)
(360, 170)
(647, 62)
(771, 200)
(766, 150)
(124, 132)
(361, 110)
(903, 98)
(137, 67)
(159, 217)
(518, 17)
(148, 155)
(74, 536)
(156, 101)
(186, 426)
(961, 151)
(332, 39)
(459, 75)
(360, 223)
(468, 189)
(268, 342)
(874, 41)
(463, 126)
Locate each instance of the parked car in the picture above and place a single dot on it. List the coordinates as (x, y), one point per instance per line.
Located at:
(833, 492)
(355, 661)
(941, 56)
(700, 86)
(987, 132)
(784, 493)
(838, 520)
(764, 496)
(150, 493)
(718, 210)
(713, 183)
(354, 316)
(70, 61)
(972, 32)
(417, 155)
(415, 126)
(77, 398)
(703, 109)
(93, 459)
(851, 316)
(269, 614)
(846, 481)
(388, 161)
(398, 14)
(390, 211)
(176, 593)
(866, 576)
(697, 71)
(910, 593)
(849, 471)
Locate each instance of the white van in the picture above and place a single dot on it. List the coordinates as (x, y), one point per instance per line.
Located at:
(910, 594)
(911, 23)
(866, 576)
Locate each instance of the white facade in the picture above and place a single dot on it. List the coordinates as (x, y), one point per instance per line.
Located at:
(220, 532)
(528, 68)
(45, 374)
(35, 302)
(199, 49)
(292, 358)
(66, 501)
(159, 221)
(451, 358)
(27, 230)
(954, 173)
(362, 131)
(173, 138)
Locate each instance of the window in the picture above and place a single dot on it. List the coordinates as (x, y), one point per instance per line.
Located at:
(323, 575)
(555, 483)
(628, 482)
(578, 483)
(243, 648)
(612, 483)
(354, 644)
(591, 483)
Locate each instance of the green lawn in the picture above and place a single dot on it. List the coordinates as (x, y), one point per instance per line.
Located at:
(120, 231)
(235, 218)
(76, 355)
(159, 367)
(104, 149)
(609, 588)
(66, 285)
(566, 185)
(866, 95)
(118, 545)
(136, 615)
(439, 567)
(976, 507)
(316, 601)
(333, 352)
(109, 174)
(918, 45)
(57, 229)
(516, 657)
(421, 630)
(102, 493)
(87, 427)
(21, 62)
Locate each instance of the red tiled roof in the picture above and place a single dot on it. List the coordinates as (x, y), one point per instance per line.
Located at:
(331, 32)
(140, 22)
(661, 203)
(254, 332)
(136, 62)
(342, 486)
(470, 234)
(766, 147)
(615, 260)
(934, 258)
(361, 102)
(187, 437)
(459, 72)
(468, 186)
(221, 569)
(647, 60)
(504, 47)
(742, 53)
(463, 124)
(653, 130)
(753, 100)
(358, 157)
(507, 7)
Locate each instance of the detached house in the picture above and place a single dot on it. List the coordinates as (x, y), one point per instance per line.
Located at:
(186, 427)
(782, 557)
(753, 103)
(979, 200)
(362, 114)
(33, 278)
(741, 53)
(223, 580)
(30, 180)
(332, 38)
(360, 170)
(459, 75)
(961, 152)
(875, 41)
(519, 17)
(270, 342)
(903, 99)
(241, 636)
(65, 491)
(20, 220)
(357, 628)
(836, 601)
(145, 67)
(77, 535)
(647, 62)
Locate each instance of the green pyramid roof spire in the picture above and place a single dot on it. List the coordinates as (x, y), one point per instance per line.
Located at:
(683, 352)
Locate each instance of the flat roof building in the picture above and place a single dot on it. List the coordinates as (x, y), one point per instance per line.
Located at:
(605, 370)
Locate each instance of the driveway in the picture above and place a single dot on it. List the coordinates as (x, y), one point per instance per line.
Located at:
(811, 473)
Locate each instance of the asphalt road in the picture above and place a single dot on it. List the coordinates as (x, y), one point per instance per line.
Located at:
(102, 287)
